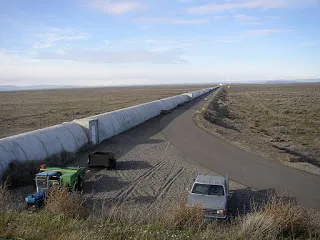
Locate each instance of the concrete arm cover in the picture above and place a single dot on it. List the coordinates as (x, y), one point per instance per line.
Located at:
(72, 136)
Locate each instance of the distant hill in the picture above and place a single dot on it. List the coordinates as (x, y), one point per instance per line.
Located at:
(281, 81)
(291, 81)
(34, 87)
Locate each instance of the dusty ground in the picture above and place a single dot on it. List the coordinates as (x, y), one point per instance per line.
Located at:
(279, 122)
(23, 111)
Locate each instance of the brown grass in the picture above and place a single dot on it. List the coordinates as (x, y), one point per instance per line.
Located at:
(186, 217)
(23, 111)
(62, 218)
(5, 197)
(63, 202)
(278, 218)
(279, 122)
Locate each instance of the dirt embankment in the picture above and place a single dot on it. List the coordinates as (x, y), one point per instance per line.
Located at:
(279, 122)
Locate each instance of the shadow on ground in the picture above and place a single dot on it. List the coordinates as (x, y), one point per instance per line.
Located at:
(244, 201)
(133, 165)
(101, 183)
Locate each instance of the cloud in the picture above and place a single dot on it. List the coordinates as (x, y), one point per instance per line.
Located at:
(178, 21)
(249, 4)
(265, 32)
(54, 35)
(220, 17)
(245, 17)
(92, 56)
(247, 20)
(116, 7)
(309, 44)
(248, 35)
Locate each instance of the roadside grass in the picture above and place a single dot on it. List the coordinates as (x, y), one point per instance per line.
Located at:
(63, 202)
(63, 218)
(217, 111)
(279, 122)
(4, 197)
(278, 219)
(183, 216)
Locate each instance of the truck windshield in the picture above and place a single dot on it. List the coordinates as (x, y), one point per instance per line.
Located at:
(208, 189)
(42, 183)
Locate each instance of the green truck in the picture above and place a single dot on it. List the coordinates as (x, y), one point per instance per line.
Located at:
(70, 177)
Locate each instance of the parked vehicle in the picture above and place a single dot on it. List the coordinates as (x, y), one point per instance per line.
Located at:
(102, 159)
(70, 177)
(210, 193)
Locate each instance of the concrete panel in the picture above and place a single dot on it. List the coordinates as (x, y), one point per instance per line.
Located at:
(78, 133)
(137, 117)
(49, 140)
(67, 140)
(5, 158)
(15, 152)
(128, 118)
(32, 147)
(106, 128)
(185, 97)
(169, 103)
(143, 112)
(188, 95)
(153, 109)
(114, 120)
(84, 124)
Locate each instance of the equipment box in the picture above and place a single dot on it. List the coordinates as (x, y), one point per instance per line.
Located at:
(102, 159)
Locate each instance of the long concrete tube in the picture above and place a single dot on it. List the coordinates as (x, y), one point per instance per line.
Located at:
(72, 136)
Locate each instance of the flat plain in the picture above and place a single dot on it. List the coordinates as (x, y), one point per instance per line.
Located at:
(280, 122)
(23, 111)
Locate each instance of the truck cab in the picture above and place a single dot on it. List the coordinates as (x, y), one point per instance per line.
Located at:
(211, 194)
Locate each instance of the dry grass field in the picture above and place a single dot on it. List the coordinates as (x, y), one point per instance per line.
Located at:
(23, 111)
(280, 122)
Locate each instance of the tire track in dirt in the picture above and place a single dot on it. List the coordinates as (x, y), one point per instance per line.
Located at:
(127, 191)
(167, 185)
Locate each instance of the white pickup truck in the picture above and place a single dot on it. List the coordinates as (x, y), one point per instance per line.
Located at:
(210, 193)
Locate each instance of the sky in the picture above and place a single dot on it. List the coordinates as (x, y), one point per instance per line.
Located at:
(133, 42)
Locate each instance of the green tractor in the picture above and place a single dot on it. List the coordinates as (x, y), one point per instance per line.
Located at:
(70, 177)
